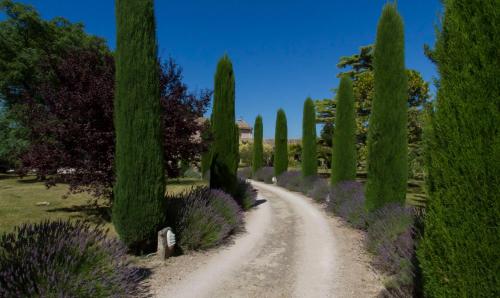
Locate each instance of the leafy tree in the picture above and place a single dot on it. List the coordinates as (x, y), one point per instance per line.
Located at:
(258, 146)
(223, 165)
(344, 139)
(459, 253)
(181, 114)
(387, 136)
(13, 139)
(32, 48)
(360, 69)
(281, 144)
(309, 151)
(140, 174)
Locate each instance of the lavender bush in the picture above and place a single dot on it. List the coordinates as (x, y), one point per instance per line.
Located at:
(319, 190)
(226, 206)
(245, 173)
(202, 218)
(65, 259)
(347, 200)
(291, 180)
(265, 174)
(391, 238)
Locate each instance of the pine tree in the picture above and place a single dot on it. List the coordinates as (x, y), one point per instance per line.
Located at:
(224, 165)
(344, 139)
(309, 153)
(258, 146)
(459, 253)
(387, 132)
(281, 144)
(140, 175)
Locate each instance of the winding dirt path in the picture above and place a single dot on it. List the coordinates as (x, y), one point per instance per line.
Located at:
(291, 248)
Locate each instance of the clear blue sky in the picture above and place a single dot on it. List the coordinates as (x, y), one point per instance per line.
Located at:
(282, 50)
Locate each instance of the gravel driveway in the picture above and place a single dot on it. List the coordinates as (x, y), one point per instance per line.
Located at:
(291, 248)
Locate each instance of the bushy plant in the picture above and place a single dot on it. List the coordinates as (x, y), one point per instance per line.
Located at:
(291, 180)
(139, 157)
(387, 132)
(65, 259)
(344, 138)
(202, 218)
(459, 253)
(281, 144)
(319, 190)
(244, 173)
(224, 164)
(347, 200)
(309, 152)
(391, 238)
(226, 206)
(246, 195)
(265, 174)
(258, 146)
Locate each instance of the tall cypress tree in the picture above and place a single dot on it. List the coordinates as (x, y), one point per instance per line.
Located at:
(223, 166)
(344, 138)
(258, 146)
(236, 147)
(280, 144)
(459, 253)
(140, 175)
(309, 153)
(387, 132)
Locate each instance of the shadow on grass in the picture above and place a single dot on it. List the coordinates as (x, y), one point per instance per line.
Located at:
(29, 181)
(92, 213)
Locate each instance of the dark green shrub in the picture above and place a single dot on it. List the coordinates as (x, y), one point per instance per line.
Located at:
(281, 144)
(224, 163)
(459, 253)
(65, 259)
(258, 146)
(387, 132)
(140, 173)
(246, 195)
(309, 152)
(344, 138)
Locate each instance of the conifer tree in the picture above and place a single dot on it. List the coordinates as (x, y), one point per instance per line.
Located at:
(223, 166)
(280, 144)
(459, 253)
(140, 175)
(344, 138)
(258, 146)
(309, 153)
(387, 132)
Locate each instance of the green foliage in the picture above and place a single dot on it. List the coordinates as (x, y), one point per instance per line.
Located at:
(459, 253)
(140, 175)
(281, 144)
(387, 136)
(309, 153)
(344, 139)
(206, 157)
(258, 146)
(13, 139)
(224, 163)
(28, 43)
(236, 147)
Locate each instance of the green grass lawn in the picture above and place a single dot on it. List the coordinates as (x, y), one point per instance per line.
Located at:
(18, 199)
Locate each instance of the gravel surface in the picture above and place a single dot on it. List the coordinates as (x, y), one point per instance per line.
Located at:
(291, 248)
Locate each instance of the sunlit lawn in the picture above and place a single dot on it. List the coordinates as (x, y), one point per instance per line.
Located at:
(18, 199)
